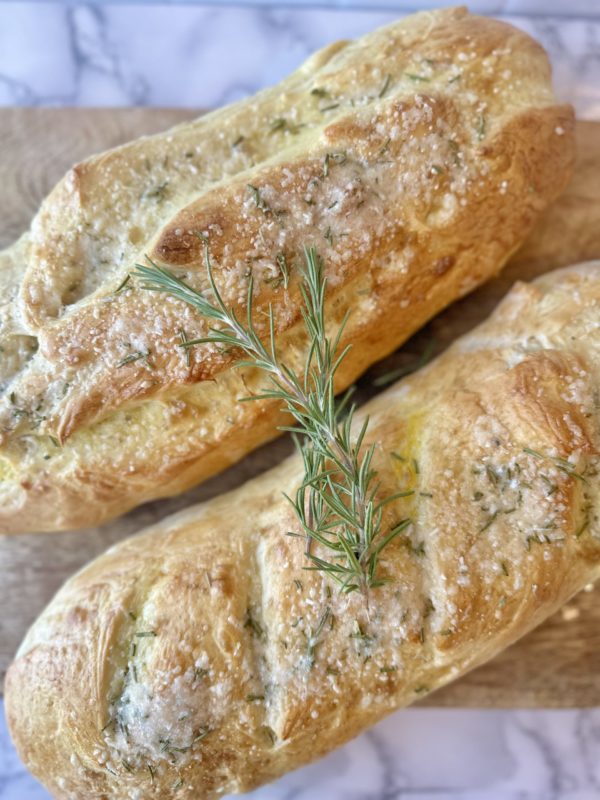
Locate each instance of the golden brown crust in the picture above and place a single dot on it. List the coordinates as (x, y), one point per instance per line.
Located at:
(187, 656)
(416, 160)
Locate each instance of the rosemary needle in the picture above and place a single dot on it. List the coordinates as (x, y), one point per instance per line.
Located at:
(395, 374)
(336, 503)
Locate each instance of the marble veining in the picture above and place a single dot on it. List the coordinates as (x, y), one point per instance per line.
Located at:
(205, 56)
(429, 754)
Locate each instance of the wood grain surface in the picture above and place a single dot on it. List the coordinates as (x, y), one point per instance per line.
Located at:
(558, 665)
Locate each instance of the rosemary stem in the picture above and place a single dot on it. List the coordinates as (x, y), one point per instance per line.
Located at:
(336, 502)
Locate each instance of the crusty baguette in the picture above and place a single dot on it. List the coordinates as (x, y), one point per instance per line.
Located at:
(188, 656)
(416, 159)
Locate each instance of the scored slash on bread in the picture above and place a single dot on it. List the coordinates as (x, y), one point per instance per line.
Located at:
(200, 657)
(415, 160)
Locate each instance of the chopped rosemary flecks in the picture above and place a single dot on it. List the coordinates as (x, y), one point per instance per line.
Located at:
(491, 475)
(269, 733)
(123, 284)
(282, 124)
(456, 152)
(319, 91)
(336, 504)
(254, 698)
(386, 86)
(330, 107)
(203, 733)
(360, 635)
(533, 538)
(560, 463)
(258, 199)
(481, 127)
(137, 356)
(585, 510)
(552, 487)
(429, 608)
(386, 670)
(416, 549)
(313, 639)
(16, 411)
(146, 634)
(253, 625)
(488, 522)
(383, 149)
(166, 746)
(157, 193)
(414, 77)
(339, 157)
(534, 453)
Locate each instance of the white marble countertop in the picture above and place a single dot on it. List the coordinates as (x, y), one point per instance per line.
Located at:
(429, 754)
(204, 56)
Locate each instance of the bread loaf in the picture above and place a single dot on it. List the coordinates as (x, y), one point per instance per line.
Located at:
(201, 658)
(415, 159)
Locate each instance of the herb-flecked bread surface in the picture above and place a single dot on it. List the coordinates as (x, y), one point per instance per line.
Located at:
(415, 159)
(200, 657)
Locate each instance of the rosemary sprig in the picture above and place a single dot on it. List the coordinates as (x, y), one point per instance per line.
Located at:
(336, 504)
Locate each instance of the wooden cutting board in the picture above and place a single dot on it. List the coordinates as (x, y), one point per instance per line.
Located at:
(556, 665)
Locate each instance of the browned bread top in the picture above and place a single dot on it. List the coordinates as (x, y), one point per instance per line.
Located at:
(201, 655)
(415, 159)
